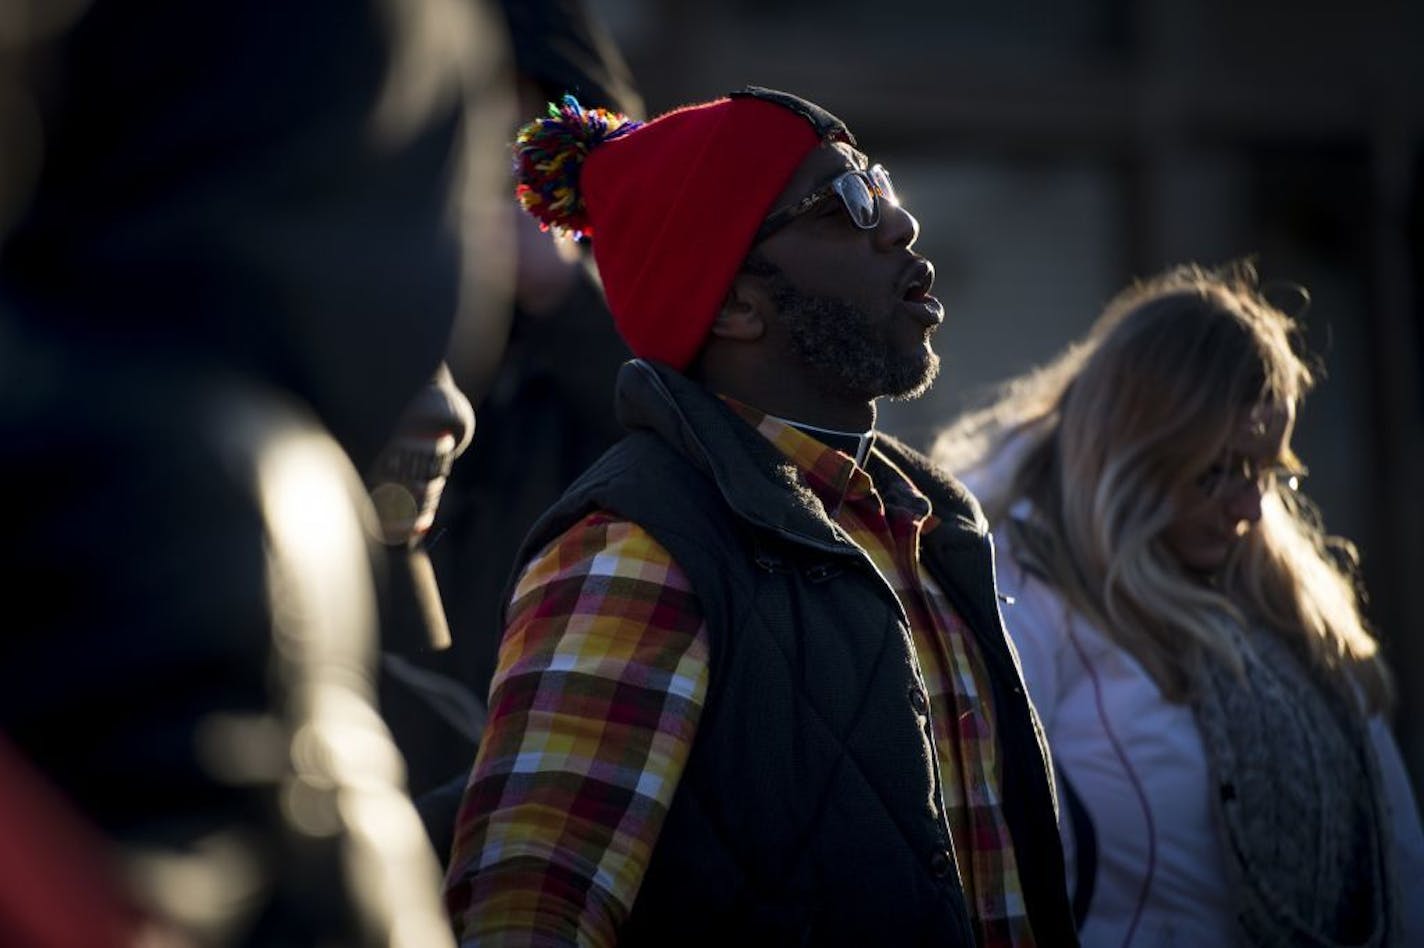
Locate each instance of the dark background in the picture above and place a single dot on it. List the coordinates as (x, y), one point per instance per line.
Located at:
(1054, 151)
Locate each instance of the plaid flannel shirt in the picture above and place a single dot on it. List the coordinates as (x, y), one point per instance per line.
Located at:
(601, 677)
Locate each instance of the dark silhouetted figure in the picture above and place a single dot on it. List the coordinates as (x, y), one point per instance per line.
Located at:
(238, 264)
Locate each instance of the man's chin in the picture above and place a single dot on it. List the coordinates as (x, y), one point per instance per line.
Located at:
(915, 380)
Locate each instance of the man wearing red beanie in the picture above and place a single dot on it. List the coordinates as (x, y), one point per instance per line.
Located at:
(754, 687)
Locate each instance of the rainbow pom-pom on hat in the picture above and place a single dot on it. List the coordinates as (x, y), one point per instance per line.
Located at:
(549, 154)
(671, 206)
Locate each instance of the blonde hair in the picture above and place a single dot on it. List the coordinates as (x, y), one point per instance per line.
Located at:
(1100, 440)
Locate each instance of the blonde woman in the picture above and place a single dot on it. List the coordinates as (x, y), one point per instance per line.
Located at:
(1192, 639)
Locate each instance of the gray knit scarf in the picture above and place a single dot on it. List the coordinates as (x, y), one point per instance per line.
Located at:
(1298, 801)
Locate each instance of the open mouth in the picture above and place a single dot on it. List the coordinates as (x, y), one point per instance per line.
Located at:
(915, 291)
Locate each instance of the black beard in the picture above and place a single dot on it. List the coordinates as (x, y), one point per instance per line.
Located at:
(844, 343)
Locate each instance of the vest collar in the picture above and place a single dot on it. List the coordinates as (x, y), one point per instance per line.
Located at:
(758, 482)
(756, 479)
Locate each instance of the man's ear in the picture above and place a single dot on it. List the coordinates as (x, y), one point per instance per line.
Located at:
(743, 314)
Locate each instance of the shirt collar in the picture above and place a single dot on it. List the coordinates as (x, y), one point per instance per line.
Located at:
(832, 475)
(854, 444)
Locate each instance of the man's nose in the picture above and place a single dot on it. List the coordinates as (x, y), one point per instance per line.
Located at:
(897, 227)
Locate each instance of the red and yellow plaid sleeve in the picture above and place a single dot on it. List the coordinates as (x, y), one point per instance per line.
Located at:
(601, 678)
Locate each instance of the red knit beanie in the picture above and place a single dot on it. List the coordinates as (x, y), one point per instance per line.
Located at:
(672, 205)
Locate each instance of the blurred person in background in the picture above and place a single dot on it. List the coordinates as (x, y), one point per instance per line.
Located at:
(546, 410)
(434, 719)
(235, 264)
(753, 686)
(542, 368)
(1192, 638)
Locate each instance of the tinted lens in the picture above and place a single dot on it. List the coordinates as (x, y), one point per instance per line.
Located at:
(881, 179)
(859, 201)
(1225, 477)
(1286, 476)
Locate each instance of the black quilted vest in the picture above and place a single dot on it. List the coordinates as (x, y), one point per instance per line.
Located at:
(809, 811)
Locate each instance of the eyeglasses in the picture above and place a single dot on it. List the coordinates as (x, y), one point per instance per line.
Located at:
(861, 191)
(1225, 478)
